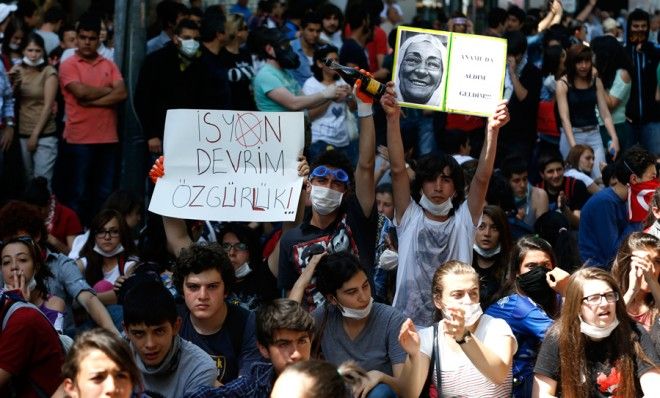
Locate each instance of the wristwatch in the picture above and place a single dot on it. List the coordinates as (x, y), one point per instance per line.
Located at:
(465, 338)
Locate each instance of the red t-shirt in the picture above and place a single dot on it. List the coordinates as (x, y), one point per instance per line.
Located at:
(65, 223)
(30, 348)
(95, 124)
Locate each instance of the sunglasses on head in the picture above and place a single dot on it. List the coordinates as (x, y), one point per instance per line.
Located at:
(338, 174)
(23, 239)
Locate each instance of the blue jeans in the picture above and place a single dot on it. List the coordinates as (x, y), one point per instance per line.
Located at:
(91, 173)
(41, 162)
(416, 122)
(591, 139)
(381, 391)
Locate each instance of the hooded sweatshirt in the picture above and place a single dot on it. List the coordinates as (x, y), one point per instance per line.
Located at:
(184, 368)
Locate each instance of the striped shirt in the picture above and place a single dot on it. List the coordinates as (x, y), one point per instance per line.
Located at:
(460, 378)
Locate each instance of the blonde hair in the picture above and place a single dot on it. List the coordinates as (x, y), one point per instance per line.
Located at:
(233, 24)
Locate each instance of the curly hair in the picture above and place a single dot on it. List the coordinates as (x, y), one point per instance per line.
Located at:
(17, 216)
(202, 257)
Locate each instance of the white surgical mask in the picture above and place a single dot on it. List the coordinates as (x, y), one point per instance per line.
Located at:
(27, 61)
(325, 200)
(14, 46)
(113, 253)
(358, 314)
(388, 260)
(472, 313)
(437, 210)
(486, 253)
(596, 332)
(243, 270)
(31, 285)
(189, 47)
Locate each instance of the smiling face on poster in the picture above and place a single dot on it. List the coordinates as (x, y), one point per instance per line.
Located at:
(420, 66)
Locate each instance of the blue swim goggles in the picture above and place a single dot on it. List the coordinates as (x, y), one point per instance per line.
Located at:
(338, 174)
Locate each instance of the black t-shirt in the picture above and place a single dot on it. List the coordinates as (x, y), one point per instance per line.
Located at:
(233, 347)
(352, 231)
(240, 73)
(257, 287)
(601, 355)
(575, 191)
(353, 53)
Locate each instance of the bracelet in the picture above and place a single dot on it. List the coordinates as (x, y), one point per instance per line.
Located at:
(364, 109)
(464, 338)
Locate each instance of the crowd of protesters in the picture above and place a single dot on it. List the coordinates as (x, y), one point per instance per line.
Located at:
(432, 254)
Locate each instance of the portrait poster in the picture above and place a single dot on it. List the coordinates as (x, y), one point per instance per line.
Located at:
(449, 72)
(230, 165)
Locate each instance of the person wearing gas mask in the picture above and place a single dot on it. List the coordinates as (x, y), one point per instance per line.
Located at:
(440, 223)
(529, 304)
(275, 88)
(643, 111)
(350, 326)
(594, 349)
(343, 216)
(467, 353)
(170, 78)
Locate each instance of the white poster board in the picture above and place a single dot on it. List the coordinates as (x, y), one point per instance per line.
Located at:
(230, 165)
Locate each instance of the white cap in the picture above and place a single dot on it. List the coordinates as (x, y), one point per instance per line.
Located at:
(5, 10)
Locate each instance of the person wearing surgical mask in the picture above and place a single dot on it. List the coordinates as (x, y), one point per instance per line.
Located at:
(469, 353)
(434, 219)
(108, 255)
(492, 245)
(255, 283)
(23, 269)
(529, 304)
(12, 44)
(35, 89)
(594, 349)
(275, 88)
(351, 326)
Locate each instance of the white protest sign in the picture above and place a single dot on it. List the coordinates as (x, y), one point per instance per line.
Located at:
(477, 65)
(230, 165)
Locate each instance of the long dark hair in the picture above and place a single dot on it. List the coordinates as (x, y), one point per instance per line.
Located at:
(94, 270)
(610, 57)
(39, 41)
(552, 60)
(520, 249)
(41, 271)
(498, 217)
(574, 55)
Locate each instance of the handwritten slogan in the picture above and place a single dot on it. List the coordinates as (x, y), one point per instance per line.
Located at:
(476, 80)
(230, 165)
(473, 81)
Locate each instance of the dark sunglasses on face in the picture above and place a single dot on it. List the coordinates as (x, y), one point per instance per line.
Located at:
(239, 246)
(338, 174)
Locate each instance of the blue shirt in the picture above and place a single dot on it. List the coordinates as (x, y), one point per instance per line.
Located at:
(304, 71)
(603, 225)
(256, 384)
(529, 323)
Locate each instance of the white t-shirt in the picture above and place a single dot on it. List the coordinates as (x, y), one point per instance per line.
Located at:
(331, 126)
(462, 158)
(578, 175)
(460, 378)
(112, 275)
(424, 245)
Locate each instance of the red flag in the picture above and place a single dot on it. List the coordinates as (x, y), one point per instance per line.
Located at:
(639, 199)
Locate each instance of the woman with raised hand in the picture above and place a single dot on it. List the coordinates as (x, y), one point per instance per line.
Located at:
(467, 353)
(594, 349)
(636, 269)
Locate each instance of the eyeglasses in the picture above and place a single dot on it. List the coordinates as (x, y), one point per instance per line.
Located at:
(102, 233)
(239, 246)
(322, 171)
(596, 299)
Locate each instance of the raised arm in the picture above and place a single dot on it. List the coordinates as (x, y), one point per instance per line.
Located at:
(365, 188)
(177, 235)
(584, 14)
(479, 184)
(414, 372)
(400, 179)
(552, 17)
